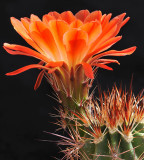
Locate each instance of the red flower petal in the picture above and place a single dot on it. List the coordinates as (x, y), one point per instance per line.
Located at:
(125, 21)
(25, 68)
(75, 41)
(102, 66)
(44, 38)
(88, 70)
(107, 44)
(76, 24)
(107, 61)
(68, 16)
(82, 14)
(39, 79)
(55, 64)
(119, 24)
(18, 26)
(31, 66)
(46, 18)
(20, 50)
(55, 14)
(58, 28)
(26, 22)
(34, 18)
(103, 47)
(107, 33)
(106, 20)
(93, 30)
(124, 52)
(96, 15)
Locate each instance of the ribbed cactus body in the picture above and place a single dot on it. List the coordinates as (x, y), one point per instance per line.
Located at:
(114, 147)
(108, 129)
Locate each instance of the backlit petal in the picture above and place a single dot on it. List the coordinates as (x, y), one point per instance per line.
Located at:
(82, 14)
(69, 40)
(76, 24)
(55, 14)
(107, 33)
(107, 61)
(44, 38)
(20, 50)
(18, 26)
(103, 47)
(88, 70)
(55, 64)
(124, 52)
(58, 28)
(119, 24)
(102, 66)
(34, 18)
(93, 30)
(25, 68)
(75, 42)
(108, 44)
(46, 18)
(106, 20)
(26, 22)
(96, 15)
(68, 16)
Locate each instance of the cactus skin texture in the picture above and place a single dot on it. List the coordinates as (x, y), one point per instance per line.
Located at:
(114, 147)
(110, 128)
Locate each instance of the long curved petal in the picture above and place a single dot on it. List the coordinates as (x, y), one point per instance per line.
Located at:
(21, 50)
(102, 66)
(103, 47)
(124, 52)
(107, 33)
(31, 66)
(106, 61)
(25, 68)
(19, 27)
(106, 20)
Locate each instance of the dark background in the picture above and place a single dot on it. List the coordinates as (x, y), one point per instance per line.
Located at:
(24, 113)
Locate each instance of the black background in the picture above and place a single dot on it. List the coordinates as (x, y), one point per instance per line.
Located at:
(24, 113)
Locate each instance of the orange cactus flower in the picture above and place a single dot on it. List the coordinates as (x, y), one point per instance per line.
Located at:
(71, 39)
(66, 42)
